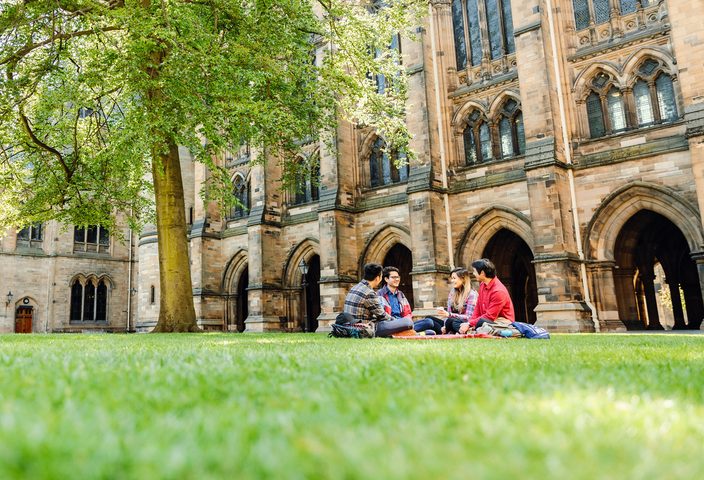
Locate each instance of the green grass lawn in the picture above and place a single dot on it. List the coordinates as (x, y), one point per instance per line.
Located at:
(305, 406)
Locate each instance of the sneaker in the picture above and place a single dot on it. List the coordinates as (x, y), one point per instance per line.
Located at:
(429, 332)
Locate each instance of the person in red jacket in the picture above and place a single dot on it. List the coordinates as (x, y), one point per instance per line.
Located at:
(494, 302)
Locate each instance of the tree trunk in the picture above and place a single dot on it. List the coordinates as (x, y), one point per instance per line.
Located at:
(176, 311)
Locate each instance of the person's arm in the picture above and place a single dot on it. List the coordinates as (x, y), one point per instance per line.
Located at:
(376, 309)
(466, 316)
(478, 310)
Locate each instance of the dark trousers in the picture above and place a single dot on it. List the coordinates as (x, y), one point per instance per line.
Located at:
(452, 325)
(386, 328)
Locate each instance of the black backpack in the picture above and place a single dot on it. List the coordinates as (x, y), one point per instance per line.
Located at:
(351, 330)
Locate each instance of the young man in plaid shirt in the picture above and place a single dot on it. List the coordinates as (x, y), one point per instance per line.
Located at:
(363, 304)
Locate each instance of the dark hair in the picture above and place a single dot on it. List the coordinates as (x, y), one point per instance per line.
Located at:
(484, 265)
(388, 270)
(371, 271)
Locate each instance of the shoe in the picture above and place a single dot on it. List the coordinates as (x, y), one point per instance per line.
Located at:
(429, 332)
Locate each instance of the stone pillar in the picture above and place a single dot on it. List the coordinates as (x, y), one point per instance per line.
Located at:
(677, 311)
(604, 296)
(698, 258)
(647, 277)
(265, 295)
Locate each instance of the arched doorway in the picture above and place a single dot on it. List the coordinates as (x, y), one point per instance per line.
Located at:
(242, 303)
(647, 244)
(400, 257)
(514, 267)
(23, 319)
(312, 296)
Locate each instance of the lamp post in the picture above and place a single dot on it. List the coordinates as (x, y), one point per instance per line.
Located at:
(303, 267)
(9, 298)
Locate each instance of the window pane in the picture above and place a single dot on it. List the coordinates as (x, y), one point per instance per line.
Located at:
(508, 26)
(644, 110)
(101, 302)
(375, 163)
(520, 134)
(92, 234)
(666, 98)
(458, 26)
(595, 116)
(36, 233)
(76, 299)
(79, 235)
(23, 234)
(88, 303)
(403, 169)
(601, 11)
(505, 138)
(628, 6)
(104, 236)
(485, 142)
(475, 42)
(617, 113)
(386, 168)
(470, 149)
(581, 14)
(492, 18)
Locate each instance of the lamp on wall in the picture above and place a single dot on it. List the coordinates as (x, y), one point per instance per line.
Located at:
(303, 267)
(9, 298)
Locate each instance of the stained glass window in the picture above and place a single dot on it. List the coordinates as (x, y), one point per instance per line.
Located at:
(475, 40)
(644, 108)
(581, 14)
(458, 26)
(617, 112)
(595, 116)
(666, 98)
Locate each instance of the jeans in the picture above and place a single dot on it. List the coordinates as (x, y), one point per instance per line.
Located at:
(429, 323)
(386, 328)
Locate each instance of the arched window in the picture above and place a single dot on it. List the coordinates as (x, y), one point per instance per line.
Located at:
(654, 94)
(606, 111)
(600, 11)
(469, 27)
(30, 237)
(307, 180)
(477, 139)
(89, 302)
(241, 193)
(382, 165)
(93, 238)
(512, 139)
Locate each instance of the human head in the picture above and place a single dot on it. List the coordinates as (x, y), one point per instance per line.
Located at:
(484, 269)
(372, 273)
(459, 278)
(392, 277)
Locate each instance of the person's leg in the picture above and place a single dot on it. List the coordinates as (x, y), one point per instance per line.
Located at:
(423, 324)
(452, 325)
(387, 328)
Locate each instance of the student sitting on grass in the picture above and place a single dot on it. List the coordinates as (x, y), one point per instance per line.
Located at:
(460, 306)
(362, 305)
(394, 301)
(494, 303)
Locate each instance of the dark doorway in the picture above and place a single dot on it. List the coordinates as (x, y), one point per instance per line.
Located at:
(242, 309)
(647, 244)
(312, 296)
(23, 320)
(514, 267)
(400, 257)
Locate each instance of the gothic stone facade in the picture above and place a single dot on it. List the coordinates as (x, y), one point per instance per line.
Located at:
(564, 139)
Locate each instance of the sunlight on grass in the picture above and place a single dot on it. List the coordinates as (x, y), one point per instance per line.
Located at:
(306, 406)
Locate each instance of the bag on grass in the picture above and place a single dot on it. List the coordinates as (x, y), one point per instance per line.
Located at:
(351, 330)
(531, 331)
(499, 328)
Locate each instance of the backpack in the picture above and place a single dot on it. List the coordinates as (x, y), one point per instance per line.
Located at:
(351, 330)
(531, 331)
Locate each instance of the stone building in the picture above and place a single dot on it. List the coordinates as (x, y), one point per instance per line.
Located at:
(564, 139)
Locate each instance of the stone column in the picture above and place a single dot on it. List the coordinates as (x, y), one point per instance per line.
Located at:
(604, 296)
(698, 258)
(648, 277)
(265, 295)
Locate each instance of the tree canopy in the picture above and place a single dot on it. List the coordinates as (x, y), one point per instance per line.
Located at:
(97, 95)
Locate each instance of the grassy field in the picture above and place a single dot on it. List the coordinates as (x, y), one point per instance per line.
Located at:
(305, 406)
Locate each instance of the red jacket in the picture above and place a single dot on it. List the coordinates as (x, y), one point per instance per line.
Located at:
(493, 302)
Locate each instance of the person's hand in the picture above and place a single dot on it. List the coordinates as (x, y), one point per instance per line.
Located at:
(443, 330)
(443, 313)
(464, 327)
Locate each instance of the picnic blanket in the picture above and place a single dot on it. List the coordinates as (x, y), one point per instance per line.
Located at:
(443, 337)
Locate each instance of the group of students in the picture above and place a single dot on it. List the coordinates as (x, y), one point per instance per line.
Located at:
(389, 311)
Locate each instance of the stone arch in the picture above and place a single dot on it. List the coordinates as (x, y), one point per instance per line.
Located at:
(236, 308)
(380, 242)
(459, 119)
(636, 58)
(500, 99)
(481, 228)
(581, 87)
(365, 148)
(305, 250)
(616, 209)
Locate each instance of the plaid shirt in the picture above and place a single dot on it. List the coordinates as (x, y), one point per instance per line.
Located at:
(364, 304)
(468, 309)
